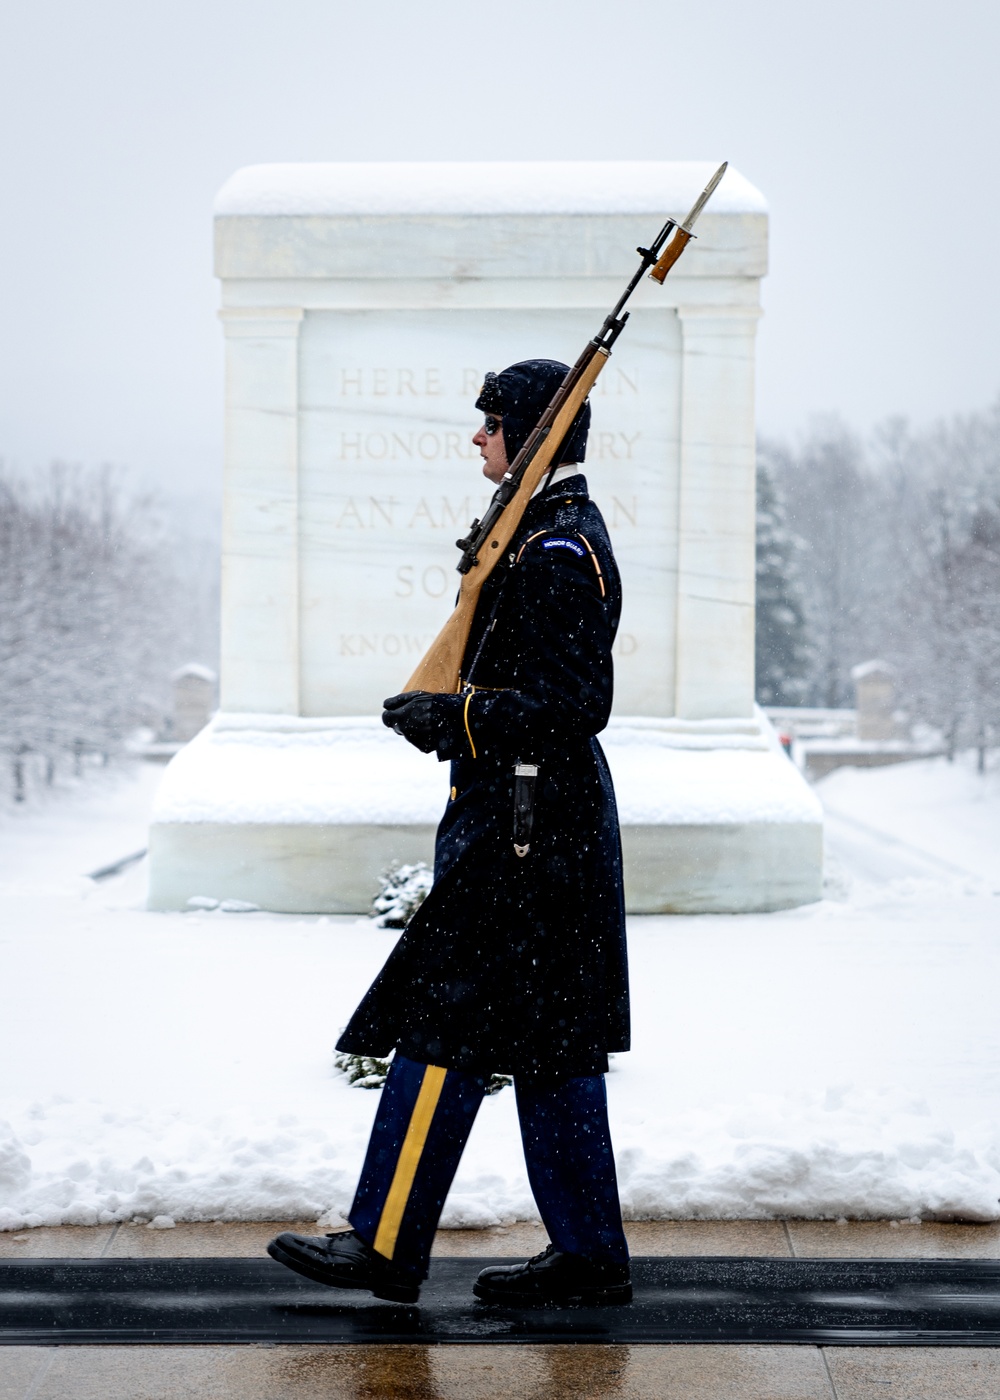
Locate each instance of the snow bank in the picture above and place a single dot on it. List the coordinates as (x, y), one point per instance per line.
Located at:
(483, 187)
(843, 1153)
(274, 768)
(846, 1153)
(91, 1165)
(836, 1060)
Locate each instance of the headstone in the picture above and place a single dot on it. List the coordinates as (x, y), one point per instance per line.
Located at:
(194, 700)
(875, 692)
(362, 305)
(878, 734)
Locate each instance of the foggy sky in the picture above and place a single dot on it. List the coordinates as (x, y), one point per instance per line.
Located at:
(871, 128)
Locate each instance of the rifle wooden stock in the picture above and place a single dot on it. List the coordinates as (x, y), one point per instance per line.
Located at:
(438, 672)
(670, 254)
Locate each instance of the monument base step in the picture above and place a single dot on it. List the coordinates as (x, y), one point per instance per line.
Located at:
(303, 815)
(723, 868)
(311, 869)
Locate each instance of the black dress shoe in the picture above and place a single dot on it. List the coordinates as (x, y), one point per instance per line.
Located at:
(344, 1260)
(554, 1277)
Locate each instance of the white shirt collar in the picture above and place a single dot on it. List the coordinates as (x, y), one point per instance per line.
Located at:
(560, 474)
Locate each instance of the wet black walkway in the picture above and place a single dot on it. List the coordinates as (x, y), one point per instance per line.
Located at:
(828, 1302)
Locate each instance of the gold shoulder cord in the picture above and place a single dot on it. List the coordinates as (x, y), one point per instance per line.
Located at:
(528, 541)
(600, 579)
(595, 561)
(590, 550)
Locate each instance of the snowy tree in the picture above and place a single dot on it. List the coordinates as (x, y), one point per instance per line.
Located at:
(783, 655)
(978, 568)
(948, 644)
(901, 559)
(954, 654)
(828, 493)
(88, 620)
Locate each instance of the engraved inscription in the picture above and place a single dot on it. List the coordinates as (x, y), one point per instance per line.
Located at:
(443, 513)
(454, 446)
(434, 581)
(624, 512)
(384, 643)
(614, 382)
(406, 447)
(617, 446)
(360, 644)
(432, 382)
(429, 512)
(389, 478)
(382, 383)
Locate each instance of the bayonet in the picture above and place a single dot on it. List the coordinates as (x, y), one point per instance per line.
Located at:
(682, 231)
(706, 194)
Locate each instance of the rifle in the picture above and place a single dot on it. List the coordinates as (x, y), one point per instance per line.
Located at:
(438, 672)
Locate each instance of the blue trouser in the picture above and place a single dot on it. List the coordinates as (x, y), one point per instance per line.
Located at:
(421, 1128)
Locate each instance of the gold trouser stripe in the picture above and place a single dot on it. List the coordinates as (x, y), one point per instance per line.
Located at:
(465, 716)
(409, 1159)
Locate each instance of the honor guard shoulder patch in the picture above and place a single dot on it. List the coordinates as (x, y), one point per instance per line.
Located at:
(559, 543)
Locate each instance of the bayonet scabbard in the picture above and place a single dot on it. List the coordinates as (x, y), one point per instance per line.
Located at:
(525, 778)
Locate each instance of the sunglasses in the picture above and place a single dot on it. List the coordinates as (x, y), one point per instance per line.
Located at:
(491, 425)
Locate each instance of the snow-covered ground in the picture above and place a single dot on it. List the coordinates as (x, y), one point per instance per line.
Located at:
(842, 1059)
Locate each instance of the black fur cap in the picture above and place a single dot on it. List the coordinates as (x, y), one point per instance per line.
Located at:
(520, 395)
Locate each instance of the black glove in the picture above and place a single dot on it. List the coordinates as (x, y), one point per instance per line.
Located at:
(425, 720)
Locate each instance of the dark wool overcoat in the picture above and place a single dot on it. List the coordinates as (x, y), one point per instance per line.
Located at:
(518, 965)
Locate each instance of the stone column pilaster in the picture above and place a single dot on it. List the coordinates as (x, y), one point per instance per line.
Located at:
(716, 514)
(260, 564)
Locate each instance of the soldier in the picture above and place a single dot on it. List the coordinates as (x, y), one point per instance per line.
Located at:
(515, 963)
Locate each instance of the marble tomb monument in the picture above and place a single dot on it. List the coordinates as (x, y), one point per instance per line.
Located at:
(361, 305)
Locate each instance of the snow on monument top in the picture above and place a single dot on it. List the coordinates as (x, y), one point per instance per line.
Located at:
(202, 673)
(872, 668)
(482, 187)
